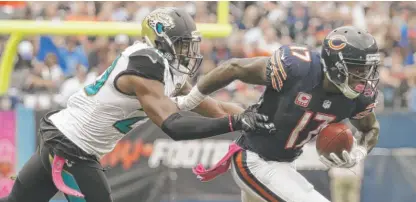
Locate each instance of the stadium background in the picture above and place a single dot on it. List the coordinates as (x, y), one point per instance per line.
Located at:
(147, 166)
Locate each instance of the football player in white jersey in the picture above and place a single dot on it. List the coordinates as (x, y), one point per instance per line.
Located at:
(137, 85)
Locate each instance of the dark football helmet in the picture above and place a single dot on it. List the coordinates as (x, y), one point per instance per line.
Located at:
(350, 58)
(173, 32)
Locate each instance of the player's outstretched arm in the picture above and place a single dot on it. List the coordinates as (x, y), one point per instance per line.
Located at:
(214, 108)
(248, 70)
(210, 107)
(182, 125)
(370, 128)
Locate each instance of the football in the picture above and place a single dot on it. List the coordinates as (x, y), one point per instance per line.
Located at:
(334, 138)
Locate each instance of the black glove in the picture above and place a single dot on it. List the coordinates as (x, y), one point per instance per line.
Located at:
(250, 121)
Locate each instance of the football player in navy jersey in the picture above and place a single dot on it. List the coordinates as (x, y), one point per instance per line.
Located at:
(305, 90)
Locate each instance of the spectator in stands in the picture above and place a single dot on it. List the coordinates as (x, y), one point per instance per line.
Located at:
(46, 76)
(254, 39)
(121, 41)
(412, 93)
(25, 55)
(259, 27)
(235, 45)
(271, 39)
(74, 55)
(407, 30)
(82, 11)
(220, 52)
(346, 183)
(72, 85)
(98, 51)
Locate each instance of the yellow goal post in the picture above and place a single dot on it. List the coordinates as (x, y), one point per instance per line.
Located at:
(17, 29)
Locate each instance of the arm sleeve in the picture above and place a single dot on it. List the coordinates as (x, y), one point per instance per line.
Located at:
(187, 125)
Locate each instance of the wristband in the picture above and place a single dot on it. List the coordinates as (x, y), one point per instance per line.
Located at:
(192, 100)
(230, 123)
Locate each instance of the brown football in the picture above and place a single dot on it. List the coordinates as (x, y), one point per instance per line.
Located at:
(334, 138)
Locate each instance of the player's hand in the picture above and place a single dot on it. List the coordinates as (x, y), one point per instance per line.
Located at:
(251, 121)
(348, 160)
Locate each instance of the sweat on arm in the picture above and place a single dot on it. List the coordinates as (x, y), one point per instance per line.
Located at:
(248, 70)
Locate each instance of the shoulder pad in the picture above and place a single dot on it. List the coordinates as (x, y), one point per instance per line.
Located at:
(287, 64)
(296, 59)
(151, 53)
(147, 63)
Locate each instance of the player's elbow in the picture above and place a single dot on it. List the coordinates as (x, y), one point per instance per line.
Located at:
(248, 70)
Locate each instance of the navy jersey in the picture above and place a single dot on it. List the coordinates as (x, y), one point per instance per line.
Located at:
(298, 105)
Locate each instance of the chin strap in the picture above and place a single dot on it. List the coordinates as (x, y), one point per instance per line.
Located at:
(347, 91)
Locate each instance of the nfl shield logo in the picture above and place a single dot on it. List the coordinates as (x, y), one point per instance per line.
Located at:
(326, 104)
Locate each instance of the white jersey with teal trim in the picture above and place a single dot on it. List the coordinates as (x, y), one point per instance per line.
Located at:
(98, 115)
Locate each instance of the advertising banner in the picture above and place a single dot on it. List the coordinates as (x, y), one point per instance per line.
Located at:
(7, 151)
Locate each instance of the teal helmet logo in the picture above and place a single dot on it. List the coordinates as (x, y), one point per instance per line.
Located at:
(159, 21)
(155, 25)
(159, 28)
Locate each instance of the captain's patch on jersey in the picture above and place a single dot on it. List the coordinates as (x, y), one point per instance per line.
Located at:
(303, 99)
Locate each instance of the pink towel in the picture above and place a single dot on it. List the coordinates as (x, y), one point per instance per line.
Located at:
(221, 167)
(57, 166)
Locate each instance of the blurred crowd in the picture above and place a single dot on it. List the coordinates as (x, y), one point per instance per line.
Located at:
(50, 68)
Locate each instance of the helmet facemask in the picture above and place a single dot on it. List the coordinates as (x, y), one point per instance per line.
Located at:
(187, 56)
(354, 77)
